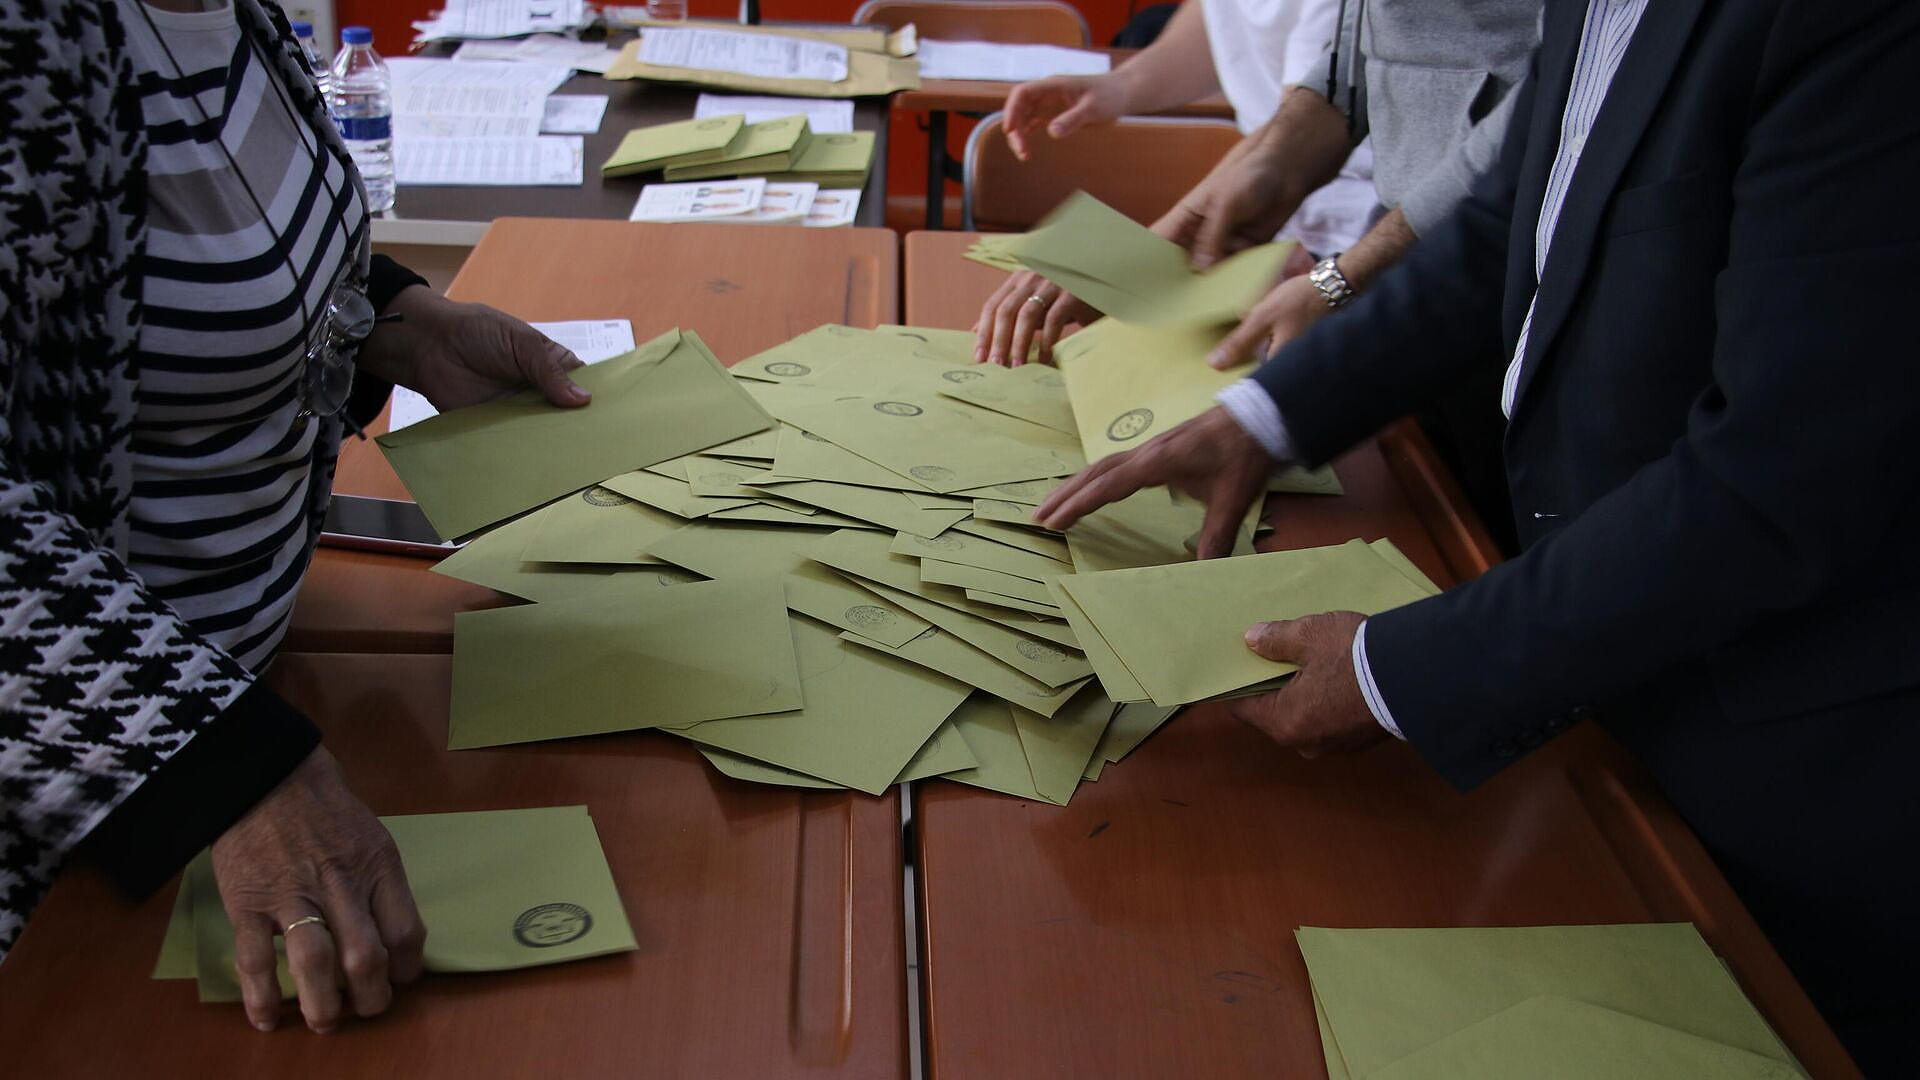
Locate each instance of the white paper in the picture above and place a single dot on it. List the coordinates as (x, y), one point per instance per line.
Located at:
(573, 114)
(501, 18)
(420, 71)
(765, 55)
(536, 161)
(698, 200)
(470, 99)
(833, 207)
(542, 49)
(825, 116)
(592, 340)
(994, 62)
(779, 204)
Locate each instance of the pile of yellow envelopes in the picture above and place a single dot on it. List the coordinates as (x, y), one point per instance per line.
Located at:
(820, 565)
(1648, 1001)
(497, 890)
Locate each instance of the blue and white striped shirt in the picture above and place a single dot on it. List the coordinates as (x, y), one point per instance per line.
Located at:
(1603, 41)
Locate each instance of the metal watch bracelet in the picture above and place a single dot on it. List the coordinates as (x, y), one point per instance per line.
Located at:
(1330, 283)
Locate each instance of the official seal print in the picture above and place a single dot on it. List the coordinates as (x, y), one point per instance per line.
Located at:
(932, 474)
(897, 408)
(961, 375)
(868, 615)
(787, 369)
(599, 496)
(1039, 651)
(1129, 424)
(940, 543)
(548, 925)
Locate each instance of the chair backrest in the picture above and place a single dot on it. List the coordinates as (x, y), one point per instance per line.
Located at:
(1139, 165)
(1018, 22)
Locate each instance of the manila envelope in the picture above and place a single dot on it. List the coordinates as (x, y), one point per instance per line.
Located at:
(805, 456)
(945, 752)
(944, 446)
(869, 74)
(940, 651)
(497, 890)
(633, 656)
(851, 360)
(1031, 539)
(1032, 392)
(683, 142)
(866, 715)
(493, 560)
(1387, 993)
(770, 144)
(749, 550)
(1058, 747)
(1181, 629)
(889, 509)
(961, 576)
(956, 547)
(597, 525)
(471, 467)
(1032, 657)
(1031, 607)
(1123, 269)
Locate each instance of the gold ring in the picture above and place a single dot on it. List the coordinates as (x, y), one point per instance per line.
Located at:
(1036, 298)
(311, 920)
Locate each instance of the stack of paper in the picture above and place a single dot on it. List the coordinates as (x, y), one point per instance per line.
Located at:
(993, 62)
(543, 49)
(835, 161)
(1121, 616)
(501, 19)
(480, 122)
(750, 201)
(857, 62)
(683, 142)
(825, 116)
(497, 890)
(1514, 1003)
(768, 146)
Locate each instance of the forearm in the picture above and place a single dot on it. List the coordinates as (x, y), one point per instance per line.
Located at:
(1381, 247)
(1177, 69)
(1307, 142)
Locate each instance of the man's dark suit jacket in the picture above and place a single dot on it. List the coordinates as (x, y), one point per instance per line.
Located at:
(1712, 454)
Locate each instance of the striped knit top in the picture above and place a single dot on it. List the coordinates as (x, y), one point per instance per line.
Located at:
(229, 478)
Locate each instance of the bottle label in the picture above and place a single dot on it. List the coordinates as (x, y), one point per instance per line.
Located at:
(364, 128)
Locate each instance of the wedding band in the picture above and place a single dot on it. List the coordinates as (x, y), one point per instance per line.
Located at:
(311, 920)
(1036, 298)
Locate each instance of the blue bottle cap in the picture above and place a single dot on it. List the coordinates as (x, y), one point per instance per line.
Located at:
(356, 35)
(302, 29)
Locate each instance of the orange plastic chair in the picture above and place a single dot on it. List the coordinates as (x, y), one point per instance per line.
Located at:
(1139, 165)
(1024, 22)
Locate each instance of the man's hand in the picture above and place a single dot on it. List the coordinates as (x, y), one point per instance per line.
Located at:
(1320, 710)
(1210, 458)
(1280, 316)
(310, 848)
(1064, 104)
(1012, 321)
(461, 354)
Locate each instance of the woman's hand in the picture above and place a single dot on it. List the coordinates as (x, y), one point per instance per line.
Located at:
(1063, 104)
(1026, 310)
(461, 354)
(310, 861)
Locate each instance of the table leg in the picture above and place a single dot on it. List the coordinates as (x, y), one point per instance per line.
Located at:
(936, 168)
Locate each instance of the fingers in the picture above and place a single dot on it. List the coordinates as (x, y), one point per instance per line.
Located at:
(1026, 322)
(554, 362)
(988, 324)
(363, 956)
(1210, 236)
(1299, 261)
(1106, 481)
(1284, 641)
(1084, 111)
(1006, 327)
(401, 930)
(1221, 527)
(254, 964)
(1064, 309)
(1245, 340)
(314, 964)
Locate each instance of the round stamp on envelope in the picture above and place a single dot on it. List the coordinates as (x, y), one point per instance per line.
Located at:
(897, 408)
(547, 925)
(599, 496)
(961, 375)
(869, 615)
(787, 369)
(932, 474)
(1130, 424)
(1039, 651)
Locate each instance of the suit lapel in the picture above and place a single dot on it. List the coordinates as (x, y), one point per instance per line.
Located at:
(1559, 45)
(1637, 89)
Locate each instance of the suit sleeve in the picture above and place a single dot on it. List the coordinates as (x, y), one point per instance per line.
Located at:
(1781, 479)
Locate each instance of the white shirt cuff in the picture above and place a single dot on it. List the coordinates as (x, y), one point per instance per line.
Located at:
(1368, 688)
(1253, 409)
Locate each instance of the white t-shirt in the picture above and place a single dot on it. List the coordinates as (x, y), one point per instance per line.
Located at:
(1261, 47)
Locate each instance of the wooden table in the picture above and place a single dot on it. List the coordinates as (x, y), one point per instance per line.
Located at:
(769, 923)
(744, 288)
(1160, 906)
(939, 97)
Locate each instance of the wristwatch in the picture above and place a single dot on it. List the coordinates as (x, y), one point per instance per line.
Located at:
(1330, 282)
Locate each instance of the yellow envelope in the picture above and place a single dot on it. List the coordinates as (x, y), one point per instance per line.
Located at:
(937, 650)
(956, 547)
(944, 446)
(598, 525)
(631, 657)
(1058, 747)
(1032, 392)
(945, 752)
(683, 142)
(471, 467)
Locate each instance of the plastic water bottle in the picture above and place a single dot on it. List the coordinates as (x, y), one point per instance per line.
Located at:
(303, 33)
(361, 103)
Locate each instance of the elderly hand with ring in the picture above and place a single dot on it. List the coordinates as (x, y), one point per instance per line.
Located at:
(1026, 311)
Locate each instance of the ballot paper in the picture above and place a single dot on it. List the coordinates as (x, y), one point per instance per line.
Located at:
(1531, 1001)
(470, 99)
(993, 62)
(553, 49)
(1123, 269)
(482, 464)
(501, 19)
(761, 55)
(592, 340)
(780, 204)
(832, 208)
(825, 116)
(539, 161)
(573, 114)
(700, 200)
(497, 890)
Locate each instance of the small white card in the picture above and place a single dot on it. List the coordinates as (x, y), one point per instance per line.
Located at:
(592, 340)
(700, 200)
(489, 162)
(573, 114)
(780, 204)
(833, 207)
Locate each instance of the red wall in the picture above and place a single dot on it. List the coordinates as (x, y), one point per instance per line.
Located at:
(392, 20)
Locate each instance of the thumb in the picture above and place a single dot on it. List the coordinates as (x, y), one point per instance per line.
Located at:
(1237, 346)
(1284, 642)
(552, 379)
